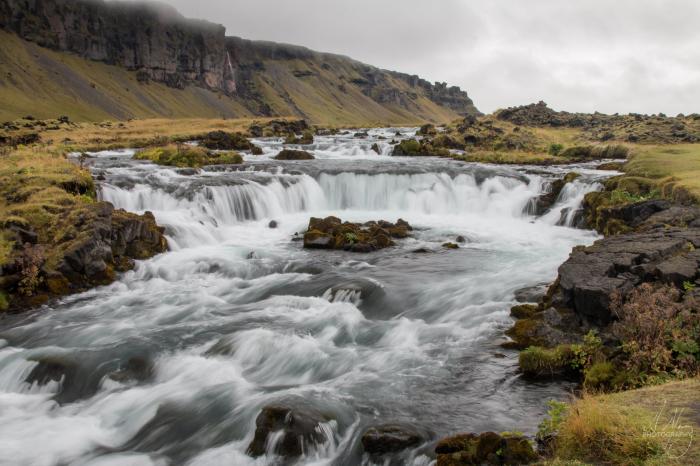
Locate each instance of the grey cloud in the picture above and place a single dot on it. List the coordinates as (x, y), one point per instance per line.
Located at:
(579, 55)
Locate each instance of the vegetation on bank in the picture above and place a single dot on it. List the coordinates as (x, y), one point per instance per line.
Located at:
(50, 220)
(182, 155)
(652, 426)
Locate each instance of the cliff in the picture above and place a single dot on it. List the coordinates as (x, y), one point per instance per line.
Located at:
(221, 76)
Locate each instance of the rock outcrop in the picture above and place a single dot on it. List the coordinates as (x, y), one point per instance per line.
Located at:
(91, 245)
(391, 438)
(333, 233)
(591, 276)
(151, 38)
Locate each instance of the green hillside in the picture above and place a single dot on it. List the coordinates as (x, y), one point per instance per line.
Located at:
(45, 83)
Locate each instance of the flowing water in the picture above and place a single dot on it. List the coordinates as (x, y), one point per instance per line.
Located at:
(238, 316)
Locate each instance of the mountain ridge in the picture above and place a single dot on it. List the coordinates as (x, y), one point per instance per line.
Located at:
(157, 45)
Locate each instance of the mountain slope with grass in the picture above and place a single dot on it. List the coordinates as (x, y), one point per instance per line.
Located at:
(146, 60)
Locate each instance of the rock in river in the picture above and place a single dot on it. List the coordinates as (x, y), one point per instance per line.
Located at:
(332, 233)
(298, 426)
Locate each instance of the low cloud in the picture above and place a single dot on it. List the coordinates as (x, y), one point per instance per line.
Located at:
(622, 56)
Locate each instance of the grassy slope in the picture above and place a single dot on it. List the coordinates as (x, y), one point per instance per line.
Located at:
(675, 166)
(46, 84)
(616, 423)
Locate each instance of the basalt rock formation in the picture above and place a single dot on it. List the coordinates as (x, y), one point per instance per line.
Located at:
(242, 77)
(151, 38)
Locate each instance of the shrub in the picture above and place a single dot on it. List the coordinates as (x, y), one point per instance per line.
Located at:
(599, 376)
(555, 149)
(30, 261)
(659, 333)
(587, 353)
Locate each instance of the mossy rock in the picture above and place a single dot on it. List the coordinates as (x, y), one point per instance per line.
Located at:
(524, 311)
(536, 362)
(487, 448)
(599, 376)
(221, 140)
(187, 156)
(288, 154)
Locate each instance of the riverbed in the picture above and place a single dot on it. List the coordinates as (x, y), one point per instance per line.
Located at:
(173, 362)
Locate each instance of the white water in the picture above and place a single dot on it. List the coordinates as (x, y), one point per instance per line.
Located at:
(238, 316)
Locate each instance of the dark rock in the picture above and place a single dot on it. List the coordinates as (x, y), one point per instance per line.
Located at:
(531, 294)
(272, 224)
(255, 150)
(221, 140)
(362, 134)
(288, 154)
(390, 438)
(461, 239)
(488, 448)
(136, 368)
(543, 203)
(51, 369)
(332, 233)
(450, 246)
(299, 426)
(590, 277)
(375, 148)
(135, 36)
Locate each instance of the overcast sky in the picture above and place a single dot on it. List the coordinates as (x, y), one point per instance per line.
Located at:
(577, 55)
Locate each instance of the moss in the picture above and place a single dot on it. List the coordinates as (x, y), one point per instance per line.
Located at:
(187, 156)
(524, 311)
(524, 333)
(4, 301)
(536, 361)
(407, 147)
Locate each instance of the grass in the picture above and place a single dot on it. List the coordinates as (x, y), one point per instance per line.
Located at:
(652, 426)
(140, 133)
(676, 168)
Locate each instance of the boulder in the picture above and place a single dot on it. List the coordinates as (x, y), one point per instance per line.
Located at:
(544, 202)
(488, 448)
(376, 149)
(221, 140)
(333, 233)
(299, 427)
(390, 438)
(288, 154)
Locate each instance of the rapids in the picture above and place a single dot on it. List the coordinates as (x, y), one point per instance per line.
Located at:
(238, 316)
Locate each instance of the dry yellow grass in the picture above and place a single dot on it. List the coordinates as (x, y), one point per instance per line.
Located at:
(137, 133)
(652, 426)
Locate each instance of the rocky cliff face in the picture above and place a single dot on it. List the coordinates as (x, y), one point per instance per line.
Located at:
(265, 78)
(153, 39)
(248, 59)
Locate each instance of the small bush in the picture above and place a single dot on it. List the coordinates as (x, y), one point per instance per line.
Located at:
(555, 149)
(599, 376)
(30, 261)
(660, 334)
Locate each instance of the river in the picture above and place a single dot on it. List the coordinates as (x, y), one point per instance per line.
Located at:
(238, 316)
